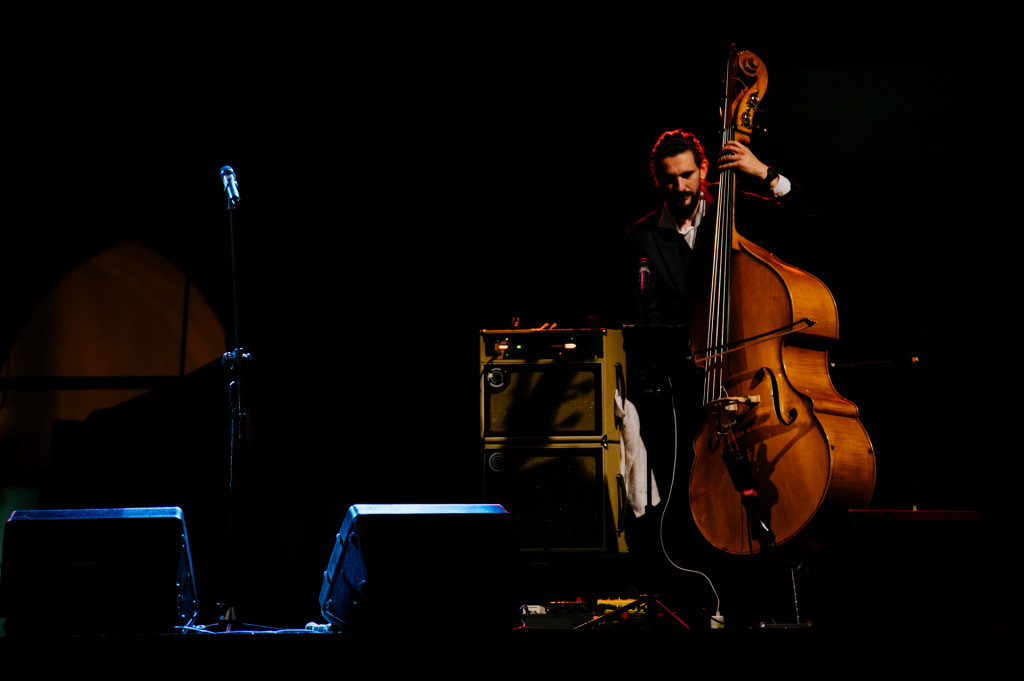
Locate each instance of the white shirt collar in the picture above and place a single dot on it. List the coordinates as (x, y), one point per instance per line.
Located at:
(688, 229)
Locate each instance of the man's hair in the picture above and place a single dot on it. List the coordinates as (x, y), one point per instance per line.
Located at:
(673, 143)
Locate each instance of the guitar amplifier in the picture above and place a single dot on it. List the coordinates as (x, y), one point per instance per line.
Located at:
(550, 384)
(550, 438)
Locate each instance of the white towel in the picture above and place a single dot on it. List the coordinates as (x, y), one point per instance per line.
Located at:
(633, 461)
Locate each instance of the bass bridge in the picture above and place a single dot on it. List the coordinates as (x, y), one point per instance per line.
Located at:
(730, 410)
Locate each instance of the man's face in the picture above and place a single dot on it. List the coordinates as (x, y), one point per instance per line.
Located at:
(679, 180)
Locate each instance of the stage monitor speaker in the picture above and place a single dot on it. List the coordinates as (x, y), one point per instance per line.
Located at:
(97, 571)
(422, 567)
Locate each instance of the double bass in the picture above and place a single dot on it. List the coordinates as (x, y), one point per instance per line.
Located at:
(779, 447)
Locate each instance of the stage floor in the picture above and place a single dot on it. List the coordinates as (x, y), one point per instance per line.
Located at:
(545, 653)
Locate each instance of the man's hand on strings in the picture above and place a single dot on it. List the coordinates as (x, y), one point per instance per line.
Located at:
(738, 156)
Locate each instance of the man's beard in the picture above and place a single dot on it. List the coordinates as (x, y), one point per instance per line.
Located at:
(682, 205)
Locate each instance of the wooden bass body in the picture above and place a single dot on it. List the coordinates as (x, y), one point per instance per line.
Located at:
(777, 418)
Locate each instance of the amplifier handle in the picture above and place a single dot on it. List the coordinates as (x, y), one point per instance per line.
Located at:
(620, 381)
(620, 484)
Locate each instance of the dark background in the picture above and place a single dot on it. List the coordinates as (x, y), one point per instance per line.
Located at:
(410, 176)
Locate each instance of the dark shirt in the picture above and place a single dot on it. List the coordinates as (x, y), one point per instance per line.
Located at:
(680, 275)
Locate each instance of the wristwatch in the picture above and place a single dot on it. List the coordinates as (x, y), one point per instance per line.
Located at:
(770, 176)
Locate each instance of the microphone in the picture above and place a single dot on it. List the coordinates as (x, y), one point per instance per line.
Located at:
(227, 177)
(645, 275)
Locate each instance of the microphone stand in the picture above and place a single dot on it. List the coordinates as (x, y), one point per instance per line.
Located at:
(234, 364)
(648, 336)
(645, 322)
(649, 607)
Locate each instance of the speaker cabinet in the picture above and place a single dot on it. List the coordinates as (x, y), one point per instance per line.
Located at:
(422, 566)
(560, 495)
(550, 437)
(97, 571)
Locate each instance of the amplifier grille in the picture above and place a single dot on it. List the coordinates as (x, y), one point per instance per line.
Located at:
(541, 401)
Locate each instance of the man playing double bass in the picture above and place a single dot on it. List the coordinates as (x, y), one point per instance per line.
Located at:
(669, 264)
(671, 237)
